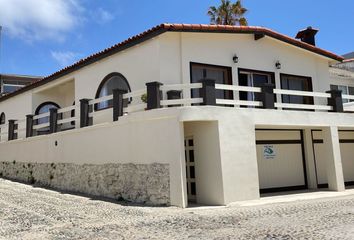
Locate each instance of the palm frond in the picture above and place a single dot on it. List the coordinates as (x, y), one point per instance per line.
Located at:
(228, 13)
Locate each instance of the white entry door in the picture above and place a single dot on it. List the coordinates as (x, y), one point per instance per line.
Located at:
(281, 165)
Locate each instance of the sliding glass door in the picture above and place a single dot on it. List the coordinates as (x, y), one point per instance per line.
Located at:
(221, 75)
(252, 78)
(297, 83)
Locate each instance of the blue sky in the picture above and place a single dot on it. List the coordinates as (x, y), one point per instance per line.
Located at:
(42, 36)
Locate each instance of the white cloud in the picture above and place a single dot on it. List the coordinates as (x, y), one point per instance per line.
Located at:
(102, 16)
(65, 58)
(40, 19)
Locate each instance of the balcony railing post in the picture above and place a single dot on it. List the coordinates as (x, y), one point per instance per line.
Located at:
(154, 95)
(11, 132)
(336, 100)
(29, 125)
(118, 103)
(208, 92)
(174, 94)
(267, 95)
(53, 120)
(84, 112)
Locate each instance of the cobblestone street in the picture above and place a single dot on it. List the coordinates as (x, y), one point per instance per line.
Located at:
(34, 213)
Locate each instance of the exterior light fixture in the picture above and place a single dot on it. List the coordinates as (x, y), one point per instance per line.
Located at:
(235, 58)
(278, 65)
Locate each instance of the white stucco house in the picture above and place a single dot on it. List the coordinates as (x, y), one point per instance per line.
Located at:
(185, 113)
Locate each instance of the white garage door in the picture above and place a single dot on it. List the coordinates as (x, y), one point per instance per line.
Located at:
(280, 160)
(346, 139)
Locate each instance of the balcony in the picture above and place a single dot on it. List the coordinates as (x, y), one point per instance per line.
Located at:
(159, 96)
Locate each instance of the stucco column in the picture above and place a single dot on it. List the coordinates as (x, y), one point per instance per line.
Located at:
(238, 156)
(309, 158)
(333, 159)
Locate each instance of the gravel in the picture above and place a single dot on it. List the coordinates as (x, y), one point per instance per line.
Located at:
(27, 212)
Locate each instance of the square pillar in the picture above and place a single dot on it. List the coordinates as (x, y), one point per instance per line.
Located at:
(333, 159)
(238, 154)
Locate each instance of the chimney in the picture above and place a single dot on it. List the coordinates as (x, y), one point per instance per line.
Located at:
(307, 35)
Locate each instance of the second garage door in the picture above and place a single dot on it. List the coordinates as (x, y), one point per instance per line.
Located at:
(281, 165)
(347, 154)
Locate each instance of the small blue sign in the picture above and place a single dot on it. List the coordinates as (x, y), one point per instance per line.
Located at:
(269, 152)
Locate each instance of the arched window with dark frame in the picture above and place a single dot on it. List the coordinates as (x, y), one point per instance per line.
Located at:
(2, 118)
(109, 83)
(44, 108)
(72, 114)
(2, 121)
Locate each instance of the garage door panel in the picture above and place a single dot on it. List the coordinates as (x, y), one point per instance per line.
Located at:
(347, 152)
(284, 170)
(347, 155)
(262, 135)
(283, 167)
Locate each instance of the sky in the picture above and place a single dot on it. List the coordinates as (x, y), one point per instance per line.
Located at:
(40, 37)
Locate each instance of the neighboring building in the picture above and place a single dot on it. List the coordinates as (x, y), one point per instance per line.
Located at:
(342, 75)
(12, 82)
(199, 113)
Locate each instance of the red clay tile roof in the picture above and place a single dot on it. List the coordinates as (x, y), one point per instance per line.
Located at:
(157, 30)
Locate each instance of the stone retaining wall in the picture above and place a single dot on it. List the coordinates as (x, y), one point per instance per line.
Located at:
(140, 183)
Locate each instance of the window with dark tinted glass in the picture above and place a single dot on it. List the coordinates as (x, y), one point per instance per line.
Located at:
(44, 108)
(108, 84)
(253, 78)
(221, 75)
(346, 90)
(297, 83)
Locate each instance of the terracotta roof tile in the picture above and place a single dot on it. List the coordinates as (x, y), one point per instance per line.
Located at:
(172, 27)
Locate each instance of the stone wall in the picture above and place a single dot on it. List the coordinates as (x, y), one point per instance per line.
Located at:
(140, 183)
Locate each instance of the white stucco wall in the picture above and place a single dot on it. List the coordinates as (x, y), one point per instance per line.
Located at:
(140, 139)
(166, 58)
(207, 161)
(218, 49)
(157, 136)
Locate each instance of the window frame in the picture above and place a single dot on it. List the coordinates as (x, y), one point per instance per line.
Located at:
(229, 80)
(17, 86)
(103, 82)
(348, 91)
(254, 71)
(37, 112)
(2, 118)
(311, 102)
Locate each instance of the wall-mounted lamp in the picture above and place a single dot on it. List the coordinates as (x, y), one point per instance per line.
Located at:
(235, 58)
(278, 65)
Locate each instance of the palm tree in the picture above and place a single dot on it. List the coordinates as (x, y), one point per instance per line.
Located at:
(228, 13)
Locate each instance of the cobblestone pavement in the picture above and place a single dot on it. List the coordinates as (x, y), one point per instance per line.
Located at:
(34, 213)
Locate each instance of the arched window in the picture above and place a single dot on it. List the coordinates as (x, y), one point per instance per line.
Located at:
(110, 82)
(72, 114)
(44, 108)
(2, 118)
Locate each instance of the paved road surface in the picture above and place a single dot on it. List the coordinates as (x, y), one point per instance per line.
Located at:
(35, 213)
